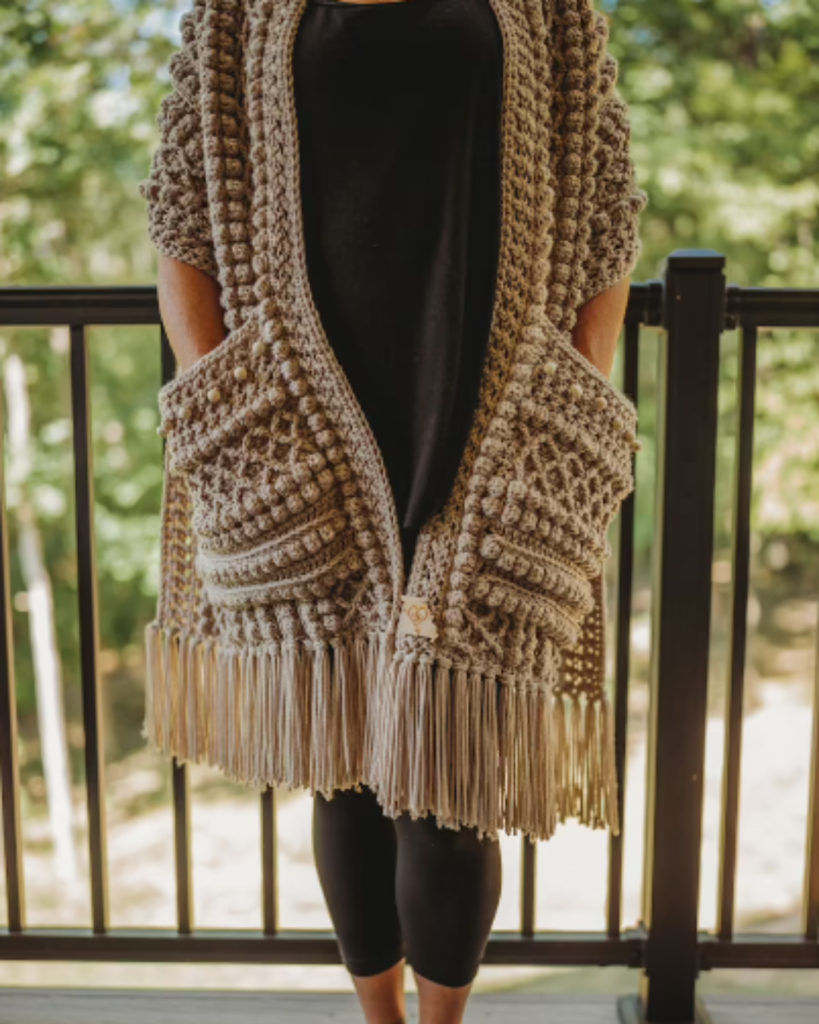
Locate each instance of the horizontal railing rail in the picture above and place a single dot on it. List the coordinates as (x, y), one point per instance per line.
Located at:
(691, 307)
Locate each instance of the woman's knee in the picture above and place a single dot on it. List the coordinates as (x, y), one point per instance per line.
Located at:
(448, 888)
(355, 851)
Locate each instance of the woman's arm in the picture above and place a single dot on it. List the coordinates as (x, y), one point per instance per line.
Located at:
(614, 244)
(190, 309)
(176, 193)
(599, 323)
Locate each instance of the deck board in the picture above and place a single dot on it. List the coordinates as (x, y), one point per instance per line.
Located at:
(759, 1010)
(31, 1006)
(116, 1006)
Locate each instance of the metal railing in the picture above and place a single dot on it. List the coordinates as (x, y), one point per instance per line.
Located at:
(693, 306)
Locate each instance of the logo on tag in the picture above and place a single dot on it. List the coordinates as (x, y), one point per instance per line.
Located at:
(416, 617)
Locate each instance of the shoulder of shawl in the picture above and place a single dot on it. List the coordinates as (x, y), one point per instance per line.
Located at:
(608, 67)
(213, 37)
(579, 36)
(184, 63)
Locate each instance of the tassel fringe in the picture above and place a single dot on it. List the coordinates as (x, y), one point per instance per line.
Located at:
(428, 737)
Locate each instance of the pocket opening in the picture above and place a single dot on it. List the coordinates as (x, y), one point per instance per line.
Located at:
(564, 339)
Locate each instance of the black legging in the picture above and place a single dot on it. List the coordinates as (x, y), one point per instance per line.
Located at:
(400, 887)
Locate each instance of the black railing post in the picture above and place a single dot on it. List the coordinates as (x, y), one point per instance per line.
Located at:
(270, 893)
(810, 910)
(740, 588)
(625, 578)
(88, 608)
(180, 781)
(694, 316)
(9, 770)
(528, 883)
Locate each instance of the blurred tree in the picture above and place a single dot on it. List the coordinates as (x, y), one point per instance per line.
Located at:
(723, 97)
(40, 609)
(80, 86)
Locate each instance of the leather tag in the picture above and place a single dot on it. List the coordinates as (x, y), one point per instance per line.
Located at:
(416, 617)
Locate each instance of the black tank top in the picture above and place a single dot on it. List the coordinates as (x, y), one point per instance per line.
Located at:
(398, 107)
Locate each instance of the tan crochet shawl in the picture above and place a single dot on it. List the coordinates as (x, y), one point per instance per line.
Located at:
(281, 652)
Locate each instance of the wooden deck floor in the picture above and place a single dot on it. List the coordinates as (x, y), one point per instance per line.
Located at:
(77, 1006)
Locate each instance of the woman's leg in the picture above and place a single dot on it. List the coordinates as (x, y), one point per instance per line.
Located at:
(448, 886)
(355, 851)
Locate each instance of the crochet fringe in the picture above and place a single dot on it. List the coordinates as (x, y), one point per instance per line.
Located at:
(427, 737)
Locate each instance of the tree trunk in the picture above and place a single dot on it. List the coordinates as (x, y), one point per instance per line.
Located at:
(48, 678)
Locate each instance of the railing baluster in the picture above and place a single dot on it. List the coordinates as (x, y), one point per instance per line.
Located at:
(735, 688)
(179, 772)
(270, 903)
(9, 772)
(528, 886)
(182, 848)
(89, 627)
(625, 571)
(810, 912)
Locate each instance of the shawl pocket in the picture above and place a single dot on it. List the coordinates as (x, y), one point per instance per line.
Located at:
(554, 469)
(265, 471)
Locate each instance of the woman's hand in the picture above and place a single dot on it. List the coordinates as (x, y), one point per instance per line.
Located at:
(190, 310)
(599, 323)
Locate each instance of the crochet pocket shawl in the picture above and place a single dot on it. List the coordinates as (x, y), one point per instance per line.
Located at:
(281, 652)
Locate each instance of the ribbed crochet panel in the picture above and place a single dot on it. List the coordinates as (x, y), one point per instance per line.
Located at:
(275, 654)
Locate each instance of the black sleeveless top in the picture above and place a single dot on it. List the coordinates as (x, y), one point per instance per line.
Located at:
(398, 107)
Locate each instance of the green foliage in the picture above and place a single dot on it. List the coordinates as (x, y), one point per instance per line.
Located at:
(723, 97)
(80, 86)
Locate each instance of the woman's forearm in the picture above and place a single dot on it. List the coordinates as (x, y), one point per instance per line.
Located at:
(190, 309)
(599, 323)
(192, 315)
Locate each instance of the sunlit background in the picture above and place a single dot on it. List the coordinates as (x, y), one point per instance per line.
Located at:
(723, 95)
